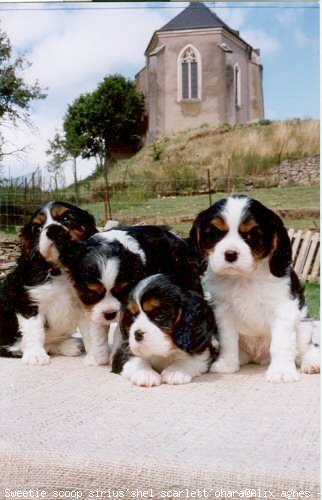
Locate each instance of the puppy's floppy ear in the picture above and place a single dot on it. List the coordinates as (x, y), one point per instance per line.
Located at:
(27, 238)
(194, 244)
(193, 239)
(125, 322)
(88, 223)
(68, 249)
(281, 255)
(197, 325)
(121, 356)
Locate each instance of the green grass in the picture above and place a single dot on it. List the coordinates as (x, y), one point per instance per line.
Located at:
(312, 295)
(184, 228)
(313, 224)
(135, 203)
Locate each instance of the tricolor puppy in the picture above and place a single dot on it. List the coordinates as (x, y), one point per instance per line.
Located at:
(258, 299)
(39, 309)
(108, 265)
(169, 334)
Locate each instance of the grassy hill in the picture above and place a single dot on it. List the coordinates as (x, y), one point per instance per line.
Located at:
(184, 157)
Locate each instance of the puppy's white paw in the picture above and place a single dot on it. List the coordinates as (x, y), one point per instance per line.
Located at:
(282, 373)
(309, 367)
(174, 376)
(36, 357)
(96, 359)
(310, 363)
(146, 378)
(223, 365)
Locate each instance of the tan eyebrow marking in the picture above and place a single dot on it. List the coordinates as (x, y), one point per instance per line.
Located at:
(151, 304)
(247, 225)
(133, 308)
(40, 219)
(76, 234)
(97, 287)
(220, 224)
(59, 210)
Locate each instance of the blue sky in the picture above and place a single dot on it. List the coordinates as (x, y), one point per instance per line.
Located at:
(72, 50)
(291, 72)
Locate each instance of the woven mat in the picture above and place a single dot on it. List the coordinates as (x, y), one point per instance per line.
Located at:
(69, 430)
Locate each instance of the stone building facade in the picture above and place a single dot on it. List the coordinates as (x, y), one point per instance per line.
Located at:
(199, 70)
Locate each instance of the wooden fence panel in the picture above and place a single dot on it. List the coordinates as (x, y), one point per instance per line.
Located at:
(306, 254)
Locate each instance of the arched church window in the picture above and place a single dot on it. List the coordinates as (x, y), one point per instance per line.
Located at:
(237, 84)
(189, 74)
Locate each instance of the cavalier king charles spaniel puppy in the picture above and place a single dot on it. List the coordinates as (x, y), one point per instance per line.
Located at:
(258, 299)
(169, 334)
(106, 266)
(39, 308)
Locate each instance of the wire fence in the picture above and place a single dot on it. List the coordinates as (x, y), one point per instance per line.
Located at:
(169, 201)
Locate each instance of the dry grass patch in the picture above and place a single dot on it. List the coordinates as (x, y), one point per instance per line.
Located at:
(252, 150)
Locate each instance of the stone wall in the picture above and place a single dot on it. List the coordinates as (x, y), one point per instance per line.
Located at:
(303, 171)
(9, 253)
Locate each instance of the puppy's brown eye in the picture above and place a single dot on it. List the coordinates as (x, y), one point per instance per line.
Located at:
(65, 218)
(214, 230)
(253, 235)
(160, 317)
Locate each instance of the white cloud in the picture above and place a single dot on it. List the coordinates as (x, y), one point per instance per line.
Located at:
(290, 19)
(70, 52)
(29, 27)
(235, 18)
(46, 126)
(262, 40)
(68, 48)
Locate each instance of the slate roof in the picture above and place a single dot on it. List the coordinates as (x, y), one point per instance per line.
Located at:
(195, 16)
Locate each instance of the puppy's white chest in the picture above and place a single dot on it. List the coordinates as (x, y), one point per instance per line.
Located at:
(58, 304)
(251, 304)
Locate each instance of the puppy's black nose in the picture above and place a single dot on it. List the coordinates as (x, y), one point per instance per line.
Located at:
(138, 335)
(110, 315)
(56, 232)
(231, 255)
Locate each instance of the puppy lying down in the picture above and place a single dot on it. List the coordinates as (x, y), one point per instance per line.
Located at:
(169, 334)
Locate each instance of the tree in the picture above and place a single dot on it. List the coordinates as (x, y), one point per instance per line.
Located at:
(60, 152)
(58, 156)
(98, 123)
(15, 94)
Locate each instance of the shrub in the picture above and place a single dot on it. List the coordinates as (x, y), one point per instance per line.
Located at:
(264, 122)
(157, 151)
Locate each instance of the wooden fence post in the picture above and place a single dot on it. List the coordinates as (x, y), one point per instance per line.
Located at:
(107, 205)
(25, 202)
(229, 177)
(209, 187)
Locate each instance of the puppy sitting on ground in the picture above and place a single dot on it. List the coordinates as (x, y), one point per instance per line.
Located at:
(257, 296)
(169, 334)
(39, 309)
